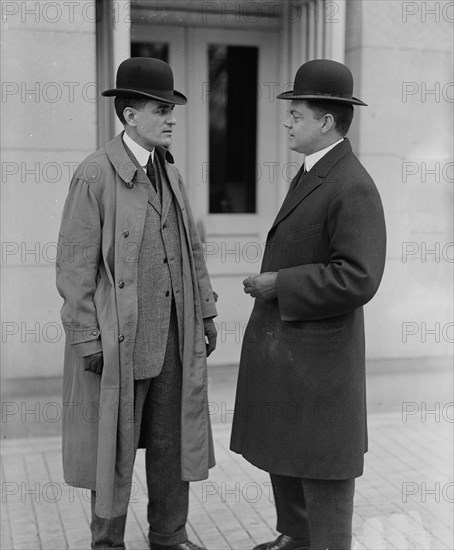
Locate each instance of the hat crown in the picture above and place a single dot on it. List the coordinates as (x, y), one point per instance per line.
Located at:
(146, 77)
(145, 73)
(324, 77)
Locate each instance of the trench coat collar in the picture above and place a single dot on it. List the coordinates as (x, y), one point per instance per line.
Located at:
(129, 169)
(122, 163)
(311, 180)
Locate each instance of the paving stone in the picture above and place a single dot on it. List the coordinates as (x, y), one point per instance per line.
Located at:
(403, 501)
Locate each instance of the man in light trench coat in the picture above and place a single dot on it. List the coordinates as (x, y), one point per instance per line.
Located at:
(300, 411)
(138, 309)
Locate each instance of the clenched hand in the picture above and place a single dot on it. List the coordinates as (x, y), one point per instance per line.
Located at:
(262, 287)
(94, 363)
(211, 334)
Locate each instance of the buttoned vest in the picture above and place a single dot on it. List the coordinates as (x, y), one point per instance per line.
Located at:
(160, 279)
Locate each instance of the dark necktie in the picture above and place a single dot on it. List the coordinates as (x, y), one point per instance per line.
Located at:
(151, 173)
(296, 181)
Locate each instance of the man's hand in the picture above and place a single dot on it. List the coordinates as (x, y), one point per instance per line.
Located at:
(262, 287)
(94, 363)
(210, 334)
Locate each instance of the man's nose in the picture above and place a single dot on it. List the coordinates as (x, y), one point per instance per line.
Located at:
(288, 123)
(171, 119)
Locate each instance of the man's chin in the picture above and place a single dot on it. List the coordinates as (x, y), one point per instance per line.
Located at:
(166, 142)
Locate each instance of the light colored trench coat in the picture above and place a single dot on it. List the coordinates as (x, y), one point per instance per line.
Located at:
(99, 241)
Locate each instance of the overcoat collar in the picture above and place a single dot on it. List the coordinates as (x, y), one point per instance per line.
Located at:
(311, 180)
(131, 172)
(121, 161)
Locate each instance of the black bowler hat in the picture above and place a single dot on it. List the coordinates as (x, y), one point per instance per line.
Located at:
(323, 79)
(146, 77)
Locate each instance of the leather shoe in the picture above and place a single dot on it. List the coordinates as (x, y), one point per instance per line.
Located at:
(188, 545)
(283, 542)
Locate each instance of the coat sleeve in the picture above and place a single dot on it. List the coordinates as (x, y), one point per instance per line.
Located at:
(203, 279)
(357, 249)
(79, 248)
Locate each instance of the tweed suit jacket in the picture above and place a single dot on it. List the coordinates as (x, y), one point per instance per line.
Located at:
(159, 277)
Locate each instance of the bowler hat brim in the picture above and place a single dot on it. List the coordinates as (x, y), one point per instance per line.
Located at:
(322, 97)
(176, 98)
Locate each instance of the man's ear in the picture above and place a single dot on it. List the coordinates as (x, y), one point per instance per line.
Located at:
(328, 123)
(130, 116)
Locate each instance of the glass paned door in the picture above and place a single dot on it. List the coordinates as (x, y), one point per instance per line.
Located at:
(233, 128)
(226, 146)
(234, 142)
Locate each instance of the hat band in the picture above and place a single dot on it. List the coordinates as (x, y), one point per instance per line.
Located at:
(323, 94)
(159, 93)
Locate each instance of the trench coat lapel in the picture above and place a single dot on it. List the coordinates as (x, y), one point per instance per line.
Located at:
(308, 182)
(129, 170)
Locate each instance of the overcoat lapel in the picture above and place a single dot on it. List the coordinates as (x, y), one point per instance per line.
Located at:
(311, 180)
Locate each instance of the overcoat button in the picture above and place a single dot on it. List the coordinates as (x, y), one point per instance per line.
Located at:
(125, 233)
(165, 260)
(94, 333)
(121, 285)
(167, 293)
(121, 338)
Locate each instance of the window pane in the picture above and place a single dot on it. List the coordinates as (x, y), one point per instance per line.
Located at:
(160, 50)
(233, 128)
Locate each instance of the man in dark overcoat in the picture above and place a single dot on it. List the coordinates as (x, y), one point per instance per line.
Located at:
(138, 308)
(300, 411)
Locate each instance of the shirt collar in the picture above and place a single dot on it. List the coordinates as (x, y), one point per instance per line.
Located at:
(142, 155)
(311, 160)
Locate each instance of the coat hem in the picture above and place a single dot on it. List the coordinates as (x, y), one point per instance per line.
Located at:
(300, 475)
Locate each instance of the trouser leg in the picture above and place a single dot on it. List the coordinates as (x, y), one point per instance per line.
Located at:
(329, 504)
(168, 495)
(292, 519)
(106, 532)
(318, 511)
(157, 425)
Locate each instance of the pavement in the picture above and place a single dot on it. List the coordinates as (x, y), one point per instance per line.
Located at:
(404, 500)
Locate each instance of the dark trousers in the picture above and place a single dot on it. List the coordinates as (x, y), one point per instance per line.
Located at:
(157, 425)
(318, 511)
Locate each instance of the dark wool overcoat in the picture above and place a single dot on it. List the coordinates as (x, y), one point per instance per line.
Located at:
(97, 269)
(301, 402)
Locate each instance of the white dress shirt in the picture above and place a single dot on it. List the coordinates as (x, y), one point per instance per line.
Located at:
(311, 160)
(142, 155)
